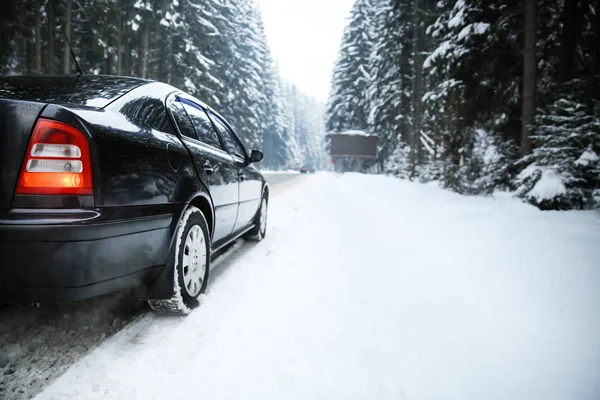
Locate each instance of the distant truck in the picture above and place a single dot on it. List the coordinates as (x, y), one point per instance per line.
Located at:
(353, 151)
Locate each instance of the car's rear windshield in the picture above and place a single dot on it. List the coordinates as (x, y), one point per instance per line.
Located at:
(87, 90)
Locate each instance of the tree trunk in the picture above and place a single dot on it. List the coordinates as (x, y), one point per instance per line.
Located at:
(452, 143)
(50, 38)
(109, 57)
(66, 50)
(144, 55)
(594, 58)
(529, 76)
(126, 38)
(415, 153)
(161, 73)
(569, 19)
(38, 37)
(119, 39)
(28, 52)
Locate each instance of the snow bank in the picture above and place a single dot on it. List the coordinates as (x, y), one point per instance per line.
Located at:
(549, 186)
(368, 287)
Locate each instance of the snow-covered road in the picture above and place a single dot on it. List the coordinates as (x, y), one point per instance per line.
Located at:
(369, 287)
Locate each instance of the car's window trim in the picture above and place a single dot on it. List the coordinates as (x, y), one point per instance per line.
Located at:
(196, 105)
(222, 120)
(171, 98)
(209, 148)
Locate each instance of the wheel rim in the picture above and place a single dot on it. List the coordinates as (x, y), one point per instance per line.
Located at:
(194, 261)
(263, 216)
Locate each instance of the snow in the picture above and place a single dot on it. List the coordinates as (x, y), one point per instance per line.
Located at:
(370, 287)
(354, 133)
(440, 51)
(478, 28)
(550, 185)
(427, 145)
(530, 171)
(363, 71)
(458, 18)
(587, 157)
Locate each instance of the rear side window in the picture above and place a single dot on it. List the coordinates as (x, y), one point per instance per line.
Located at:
(184, 123)
(234, 147)
(202, 125)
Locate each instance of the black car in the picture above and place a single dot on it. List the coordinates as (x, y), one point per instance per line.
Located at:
(109, 183)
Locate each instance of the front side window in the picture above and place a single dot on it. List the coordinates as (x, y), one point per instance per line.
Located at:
(232, 144)
(201, 122)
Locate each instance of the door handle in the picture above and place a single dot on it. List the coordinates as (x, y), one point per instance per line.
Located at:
(242, 177)
(208, 168)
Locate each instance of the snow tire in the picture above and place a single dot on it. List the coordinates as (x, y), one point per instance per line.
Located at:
(192, 223)
(259, 231)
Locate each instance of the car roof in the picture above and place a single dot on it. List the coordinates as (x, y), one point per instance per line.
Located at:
(84, 90)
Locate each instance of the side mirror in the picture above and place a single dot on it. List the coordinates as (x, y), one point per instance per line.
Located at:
(256, 156)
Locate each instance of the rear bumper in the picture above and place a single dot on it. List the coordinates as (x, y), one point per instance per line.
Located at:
(50, 257)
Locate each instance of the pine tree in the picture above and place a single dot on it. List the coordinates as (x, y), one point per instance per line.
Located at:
(563, 171)
(305, 117)
(348, 105)
(468, 114)
(389, 92)
(398, 163)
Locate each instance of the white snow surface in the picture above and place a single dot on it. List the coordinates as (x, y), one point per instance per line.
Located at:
(550, 185)
(369, 287)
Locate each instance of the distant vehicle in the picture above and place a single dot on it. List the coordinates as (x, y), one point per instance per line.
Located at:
(307, 170)
(109, 183)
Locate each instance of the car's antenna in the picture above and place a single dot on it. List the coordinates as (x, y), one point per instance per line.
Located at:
(79, 71)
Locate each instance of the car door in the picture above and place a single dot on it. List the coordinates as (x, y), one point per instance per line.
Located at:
(249, 177)
(215, 166)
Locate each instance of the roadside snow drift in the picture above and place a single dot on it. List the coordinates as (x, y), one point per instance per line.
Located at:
(369, 287)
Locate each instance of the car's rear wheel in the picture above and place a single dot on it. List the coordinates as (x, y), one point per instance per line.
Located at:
(260, 223)
(192, 264)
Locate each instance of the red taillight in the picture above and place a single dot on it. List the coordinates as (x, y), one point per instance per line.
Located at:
(58, 161)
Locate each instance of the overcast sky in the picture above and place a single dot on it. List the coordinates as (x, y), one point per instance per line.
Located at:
(305, 36)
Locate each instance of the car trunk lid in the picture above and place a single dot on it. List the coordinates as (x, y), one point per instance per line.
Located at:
(17, 119)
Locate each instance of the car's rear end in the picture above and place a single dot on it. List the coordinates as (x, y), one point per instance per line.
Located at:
(17, 119)
(55, 243)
